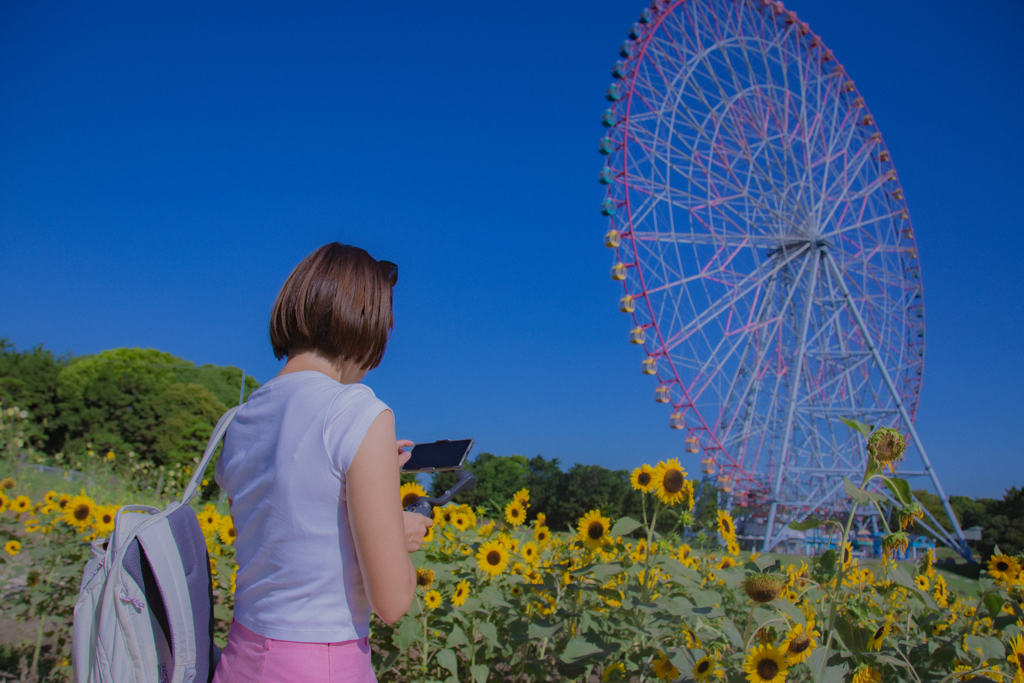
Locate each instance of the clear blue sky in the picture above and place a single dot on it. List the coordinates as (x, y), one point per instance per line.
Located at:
(164, 166)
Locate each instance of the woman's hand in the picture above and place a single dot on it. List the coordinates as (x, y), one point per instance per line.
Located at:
(403, 456)
(416, 526)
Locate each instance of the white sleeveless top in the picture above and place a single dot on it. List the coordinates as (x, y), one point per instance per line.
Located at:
(284, 464)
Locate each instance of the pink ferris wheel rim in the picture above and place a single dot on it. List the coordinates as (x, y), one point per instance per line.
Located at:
(668, 371)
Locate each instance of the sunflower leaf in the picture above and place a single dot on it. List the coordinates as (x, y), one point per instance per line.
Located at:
(990, 648)
(624, 526)
(994, 604)
(811, 522)
(899, 575)
(480, 672)
(864, 429)
(578, 648)
(448, 660)
(407, 633)
(488, 631)
(900, 488)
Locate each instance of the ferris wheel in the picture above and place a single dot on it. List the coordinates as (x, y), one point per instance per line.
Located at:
(766, 253)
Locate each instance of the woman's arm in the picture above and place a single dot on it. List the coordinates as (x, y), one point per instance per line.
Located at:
(384, 535)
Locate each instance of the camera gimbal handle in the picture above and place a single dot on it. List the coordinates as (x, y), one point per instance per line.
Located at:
(464, 481)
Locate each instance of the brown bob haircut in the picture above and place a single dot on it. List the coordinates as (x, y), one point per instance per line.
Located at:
(336, 302)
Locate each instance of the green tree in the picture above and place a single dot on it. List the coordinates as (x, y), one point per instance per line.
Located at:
(28, 379)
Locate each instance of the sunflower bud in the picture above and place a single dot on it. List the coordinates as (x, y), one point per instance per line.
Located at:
(894, 542)
(762, 589)
(886, 446)
(908, 514)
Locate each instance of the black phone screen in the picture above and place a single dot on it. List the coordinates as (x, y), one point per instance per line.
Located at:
(438, 456)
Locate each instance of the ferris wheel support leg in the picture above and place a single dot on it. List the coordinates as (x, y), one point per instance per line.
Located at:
(794, 394)
(964, 550)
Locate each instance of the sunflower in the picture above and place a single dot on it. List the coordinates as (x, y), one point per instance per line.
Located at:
(21, 504)
(664, 669)
(7, 483)
(32, 525)
(209, 520)
(410, 493)
(432, 599)
(445, 514)
(522, 496)
(886, 446)
(727, 562)
(726, 527)
(4, 501)
(593, 529)
(1003, 568)
(670, 482)
(894, 543)
(643, 478)
(613, 672)
(766, 664)
(1016, 658)
(429, 536)
(706, 669)
(692, 641)
(424, 578)
(683, 552)
(227, 530)
(762, 589)
(530, 553)
(62, 501)
(103, 519)
(799, 643)
(542, 535)
(50, 497)
(492, 557)
(79, 511)
(486, 529)
(733, 548)
(515, 513)
(922, 582)
(875, 641)
(460, 520)
(865, 674)
(461, 593)
(12, 547)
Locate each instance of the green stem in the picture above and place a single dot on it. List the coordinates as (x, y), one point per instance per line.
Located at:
(746, 631)
(39, 645)
(426, 647)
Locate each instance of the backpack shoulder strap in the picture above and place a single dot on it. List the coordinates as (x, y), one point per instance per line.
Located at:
(163, 557)
(211, 447)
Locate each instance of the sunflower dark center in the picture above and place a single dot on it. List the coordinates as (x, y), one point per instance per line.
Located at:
(878, 633)
(644, 478)
(422, 579)
(1020, 660)
(515, 512)
(494, 558)
(595, 530)
(81, 512)
(702, 667)
(673, 481)
(800, 643)
(409, 499)
(231, 532)
(107, 519)
(726, 526)
(1002, 566)
(767, 669)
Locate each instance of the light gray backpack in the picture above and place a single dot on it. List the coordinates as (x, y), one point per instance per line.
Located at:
(145, 608)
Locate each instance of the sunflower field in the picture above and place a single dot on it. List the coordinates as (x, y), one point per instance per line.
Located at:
(508, 599)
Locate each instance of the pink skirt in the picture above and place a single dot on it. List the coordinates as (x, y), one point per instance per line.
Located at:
(251, 658)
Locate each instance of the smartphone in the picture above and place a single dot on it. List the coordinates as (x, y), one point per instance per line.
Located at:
(439, 456)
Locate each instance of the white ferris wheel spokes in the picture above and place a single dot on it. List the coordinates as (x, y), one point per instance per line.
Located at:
(765, 249)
